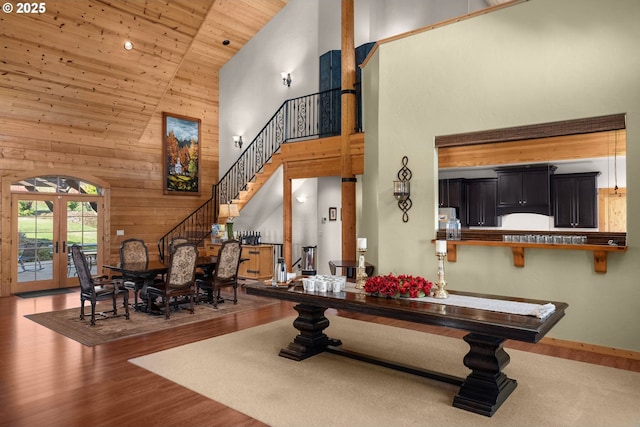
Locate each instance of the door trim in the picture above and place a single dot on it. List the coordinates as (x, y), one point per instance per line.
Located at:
(6, 229)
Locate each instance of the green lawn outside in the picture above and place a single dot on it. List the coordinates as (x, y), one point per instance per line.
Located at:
(76, 233)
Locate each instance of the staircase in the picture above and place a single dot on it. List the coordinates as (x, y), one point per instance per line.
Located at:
(305, 118)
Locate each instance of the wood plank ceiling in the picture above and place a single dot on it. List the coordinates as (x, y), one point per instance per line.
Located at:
(66, 68)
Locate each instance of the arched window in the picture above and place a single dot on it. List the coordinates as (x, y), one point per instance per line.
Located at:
(55, 184)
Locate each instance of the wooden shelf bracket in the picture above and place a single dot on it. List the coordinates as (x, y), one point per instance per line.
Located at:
(600, 252)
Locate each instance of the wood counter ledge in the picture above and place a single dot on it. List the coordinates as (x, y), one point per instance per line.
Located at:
(599, 251)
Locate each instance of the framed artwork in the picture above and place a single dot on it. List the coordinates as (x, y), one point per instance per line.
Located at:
(333, 214)
(181, 154)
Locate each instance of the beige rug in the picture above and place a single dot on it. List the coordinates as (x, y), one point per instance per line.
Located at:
(247, 374)
(68, 323)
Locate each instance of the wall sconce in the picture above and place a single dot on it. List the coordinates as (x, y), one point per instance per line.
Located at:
(286, 79)
(237, 141)
(402, 189)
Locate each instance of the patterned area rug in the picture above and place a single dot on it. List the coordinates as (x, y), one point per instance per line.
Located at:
(68, 323)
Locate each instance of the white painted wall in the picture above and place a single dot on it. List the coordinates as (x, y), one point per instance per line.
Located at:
(251, 91)
(251, 88)
(536, 62)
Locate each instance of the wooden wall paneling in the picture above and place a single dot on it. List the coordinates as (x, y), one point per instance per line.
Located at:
(612, 210)
(72, 98)
(532, 151)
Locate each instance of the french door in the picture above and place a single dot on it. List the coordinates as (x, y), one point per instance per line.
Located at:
(45, 226)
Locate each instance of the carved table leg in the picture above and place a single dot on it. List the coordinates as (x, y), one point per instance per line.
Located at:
(311, 340)
(487, 387)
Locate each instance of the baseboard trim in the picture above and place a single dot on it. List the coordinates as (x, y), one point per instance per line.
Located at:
(609, 351)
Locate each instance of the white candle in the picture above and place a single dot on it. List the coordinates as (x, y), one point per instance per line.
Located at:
(441, 246)
(362, 243)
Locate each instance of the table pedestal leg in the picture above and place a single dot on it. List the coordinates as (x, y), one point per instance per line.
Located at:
(311, 323)
(487, 387)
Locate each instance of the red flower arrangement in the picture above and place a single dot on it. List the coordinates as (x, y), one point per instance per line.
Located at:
(402, 285)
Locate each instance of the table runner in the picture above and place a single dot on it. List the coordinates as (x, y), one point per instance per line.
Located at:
(512, 307)
(540, 311)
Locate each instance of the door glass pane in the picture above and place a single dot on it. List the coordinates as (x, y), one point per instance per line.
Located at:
(35, 240)
(54, 184)
(82, 229)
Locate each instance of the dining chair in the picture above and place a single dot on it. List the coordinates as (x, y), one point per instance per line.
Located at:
(133, 251)
(94, 290)
(175, 242)
(179, 280)
(224, 275)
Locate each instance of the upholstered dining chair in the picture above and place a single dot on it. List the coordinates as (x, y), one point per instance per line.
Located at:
(179, 280)
(225, 274)
(133, 251)
(175, 242)
(94, 290)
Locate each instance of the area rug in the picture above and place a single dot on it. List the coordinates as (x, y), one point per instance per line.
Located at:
(45, 293)
(68, 323)
(247, 375)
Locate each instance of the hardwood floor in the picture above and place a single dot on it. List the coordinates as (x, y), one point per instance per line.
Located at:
(50, 380)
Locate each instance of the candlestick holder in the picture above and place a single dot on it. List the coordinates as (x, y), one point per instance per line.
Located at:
(361, 275)
(441, 283)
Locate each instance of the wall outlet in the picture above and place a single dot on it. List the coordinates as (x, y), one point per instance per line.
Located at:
(119, 232)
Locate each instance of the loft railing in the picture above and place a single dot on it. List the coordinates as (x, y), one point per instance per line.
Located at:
(307, 117)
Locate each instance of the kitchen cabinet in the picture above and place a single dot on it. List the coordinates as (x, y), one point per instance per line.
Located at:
(258, 262)
(575, 200)
(481, 202)
(524, 189)
(451, 194)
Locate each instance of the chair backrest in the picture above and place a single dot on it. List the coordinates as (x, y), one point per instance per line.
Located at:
(182, 269)
(133, 251)
(175, 242)
(82, 269)
(228, 260)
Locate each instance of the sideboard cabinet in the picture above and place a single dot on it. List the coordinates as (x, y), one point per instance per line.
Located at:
(258, 262)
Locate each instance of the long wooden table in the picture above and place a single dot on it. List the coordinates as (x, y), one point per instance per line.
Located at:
(483, 391)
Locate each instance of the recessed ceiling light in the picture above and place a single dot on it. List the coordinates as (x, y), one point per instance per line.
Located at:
(128, 45)
(226, 42)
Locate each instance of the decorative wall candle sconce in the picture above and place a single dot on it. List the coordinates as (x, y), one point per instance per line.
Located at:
(402, 190)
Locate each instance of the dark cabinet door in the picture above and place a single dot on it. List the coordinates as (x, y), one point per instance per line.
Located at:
(443, 193)
(451, 194)
(509, 189)
(575, 200)
(524, 189)
(563, 196)
(481, 203)
(535, 189)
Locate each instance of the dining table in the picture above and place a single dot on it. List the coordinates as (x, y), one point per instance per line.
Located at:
(148, 272)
